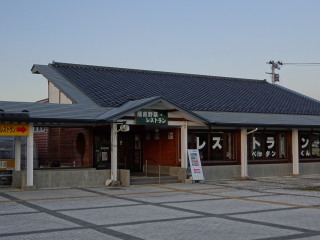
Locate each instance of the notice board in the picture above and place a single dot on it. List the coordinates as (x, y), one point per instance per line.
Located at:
(195, 164)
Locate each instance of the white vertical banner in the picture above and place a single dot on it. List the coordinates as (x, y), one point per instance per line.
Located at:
(195, 164)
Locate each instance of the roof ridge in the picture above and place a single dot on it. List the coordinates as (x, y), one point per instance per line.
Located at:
(154, 72)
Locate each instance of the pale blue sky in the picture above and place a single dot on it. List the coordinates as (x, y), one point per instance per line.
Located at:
(233, 38)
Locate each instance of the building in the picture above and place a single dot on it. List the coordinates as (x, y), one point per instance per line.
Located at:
(241, 127)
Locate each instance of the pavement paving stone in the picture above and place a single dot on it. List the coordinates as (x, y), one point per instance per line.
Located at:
(31, 222)
(170, 197)
(226, 206)
(128, 190)
(234, 192)
(50, 193)
(289, 199)
(205, 229)
(309, 238)
(299, 218)
(127, 214)
(86, 234)
(187, 186)
(3, 199)
(214, 210)
(82, 203)
(297, 192)
(14, 207)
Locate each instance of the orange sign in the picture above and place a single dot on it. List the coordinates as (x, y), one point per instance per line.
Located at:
(14, 129)
(6, 164)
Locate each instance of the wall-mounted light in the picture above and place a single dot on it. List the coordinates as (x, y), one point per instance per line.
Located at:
(124, 128)
(252, 131)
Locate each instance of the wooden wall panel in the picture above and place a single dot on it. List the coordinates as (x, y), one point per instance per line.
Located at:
(164, 151)
(41, 140)
(62, 147)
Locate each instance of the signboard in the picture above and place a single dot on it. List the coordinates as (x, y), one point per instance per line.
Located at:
(152, 117)
(14, 129)
(195, 164)
(6, 164)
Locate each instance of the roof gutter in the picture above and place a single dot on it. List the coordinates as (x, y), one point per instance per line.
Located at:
(254, 125)
(48, 120)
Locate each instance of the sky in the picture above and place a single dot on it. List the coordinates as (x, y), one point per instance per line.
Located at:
(228, 38)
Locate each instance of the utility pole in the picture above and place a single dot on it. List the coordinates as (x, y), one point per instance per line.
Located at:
(274, 66)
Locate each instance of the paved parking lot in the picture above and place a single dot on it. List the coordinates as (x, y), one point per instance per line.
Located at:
(264, 208)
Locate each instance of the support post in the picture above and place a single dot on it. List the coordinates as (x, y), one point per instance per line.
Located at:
(30, 157)
(146, 168)
(184, 145)
(159, 167)
(114, 152)
(295, 152)
(17, 153)
(244, 155)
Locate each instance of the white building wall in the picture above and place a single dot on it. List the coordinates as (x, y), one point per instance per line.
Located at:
(53, 93)
(64, 99)
(56, 96)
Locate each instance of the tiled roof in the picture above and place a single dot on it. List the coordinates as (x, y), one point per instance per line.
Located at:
(39, 110)
(112, 87)
(260, 119)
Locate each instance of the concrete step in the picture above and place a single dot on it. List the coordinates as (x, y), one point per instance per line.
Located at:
(153, 180)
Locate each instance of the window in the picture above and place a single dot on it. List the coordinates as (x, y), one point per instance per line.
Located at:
(267, 145)
(201, 144)
(213, 146)
(309, 145)
(7, 147)
(40, 129)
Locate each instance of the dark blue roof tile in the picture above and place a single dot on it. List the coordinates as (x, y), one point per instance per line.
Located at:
(112, 87)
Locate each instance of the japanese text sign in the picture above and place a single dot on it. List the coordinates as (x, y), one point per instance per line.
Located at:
(152, 117)
(6, 164)
(195, 164)
(304, 142)
(12, 129)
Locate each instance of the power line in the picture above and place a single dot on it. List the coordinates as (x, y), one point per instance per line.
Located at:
(275, 77)
(303, 63)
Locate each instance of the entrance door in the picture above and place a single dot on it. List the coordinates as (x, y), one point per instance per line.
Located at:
(129, 151)
(102, 150)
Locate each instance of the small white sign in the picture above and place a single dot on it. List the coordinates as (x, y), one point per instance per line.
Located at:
(148, 136)
(104, 156)
(3, 164)
(195, 164)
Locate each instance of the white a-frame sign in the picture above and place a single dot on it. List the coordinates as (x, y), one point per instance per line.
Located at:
(195, 164)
